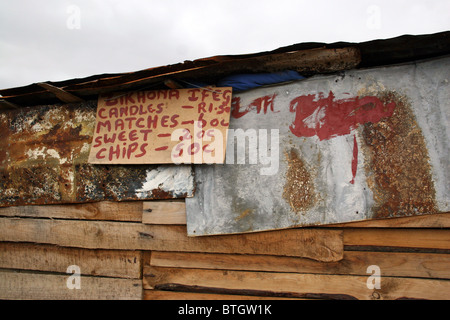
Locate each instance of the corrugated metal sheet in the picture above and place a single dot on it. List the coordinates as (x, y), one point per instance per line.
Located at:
(363, 145)
(43, 160)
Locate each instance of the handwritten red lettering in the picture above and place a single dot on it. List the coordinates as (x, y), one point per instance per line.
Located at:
(145, 133)
(327, 117)
(260, 104)
(123, 111)
(132, 125)
(119, 125)
(110, 100)
(354, 160)
(139, 123)
(174, 94)
(134, 110)
(193, 148)
(214, 122)
(193, 93)
(164, 135)
(205, 94)
(131, 149)
(152, 121)
(174, 120)
(98, 142)
(100, 113)
(141, 96)
(133, 135)
(202, 107)
(122, 137)
(216, 94)
(99, 154)
(128, 99)
(143, 150)
(103, 124)
(164, 121)
(114, 152)
(113, 113)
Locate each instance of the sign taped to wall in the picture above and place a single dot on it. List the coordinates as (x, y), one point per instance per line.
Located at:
(161, 127)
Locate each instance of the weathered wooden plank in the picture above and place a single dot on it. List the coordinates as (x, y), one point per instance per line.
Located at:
(322, 245)
(174, 295)
(398, 264)
(438, 220)
(4, 104)
(62, 95)
(301, 285)
(38, 286)
(164, 212)
(104, 210)
(108, 263)
(409, 238)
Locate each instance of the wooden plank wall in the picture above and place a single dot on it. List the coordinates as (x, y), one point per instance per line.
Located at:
(140, 250)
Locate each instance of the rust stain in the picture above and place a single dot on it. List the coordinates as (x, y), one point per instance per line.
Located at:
(299, 189)
(43, 159)
(4, 134)
(161, 194)
(244, 214)
(398, 170)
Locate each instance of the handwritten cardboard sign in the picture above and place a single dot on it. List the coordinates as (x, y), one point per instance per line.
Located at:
(165, 126)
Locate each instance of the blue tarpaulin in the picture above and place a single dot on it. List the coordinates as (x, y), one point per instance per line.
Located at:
(242, 82)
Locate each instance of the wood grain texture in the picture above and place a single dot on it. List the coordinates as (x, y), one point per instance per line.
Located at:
(301, 285)
(49, 258)
(438, 220)
(105, 210)
(322, 245)
(420, 265)
(164, 212)
(39, 286)
(407, 238)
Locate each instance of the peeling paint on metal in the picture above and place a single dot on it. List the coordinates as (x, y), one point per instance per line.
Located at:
(169, 179)
(388, 162)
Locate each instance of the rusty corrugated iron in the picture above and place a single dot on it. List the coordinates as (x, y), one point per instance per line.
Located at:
(43, 160)
(366, 144)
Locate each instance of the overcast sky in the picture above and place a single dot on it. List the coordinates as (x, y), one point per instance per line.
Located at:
(52, 40)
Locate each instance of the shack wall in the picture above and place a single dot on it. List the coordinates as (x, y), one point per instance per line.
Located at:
(140, 250)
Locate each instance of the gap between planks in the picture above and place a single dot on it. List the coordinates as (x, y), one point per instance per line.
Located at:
(178, 295)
